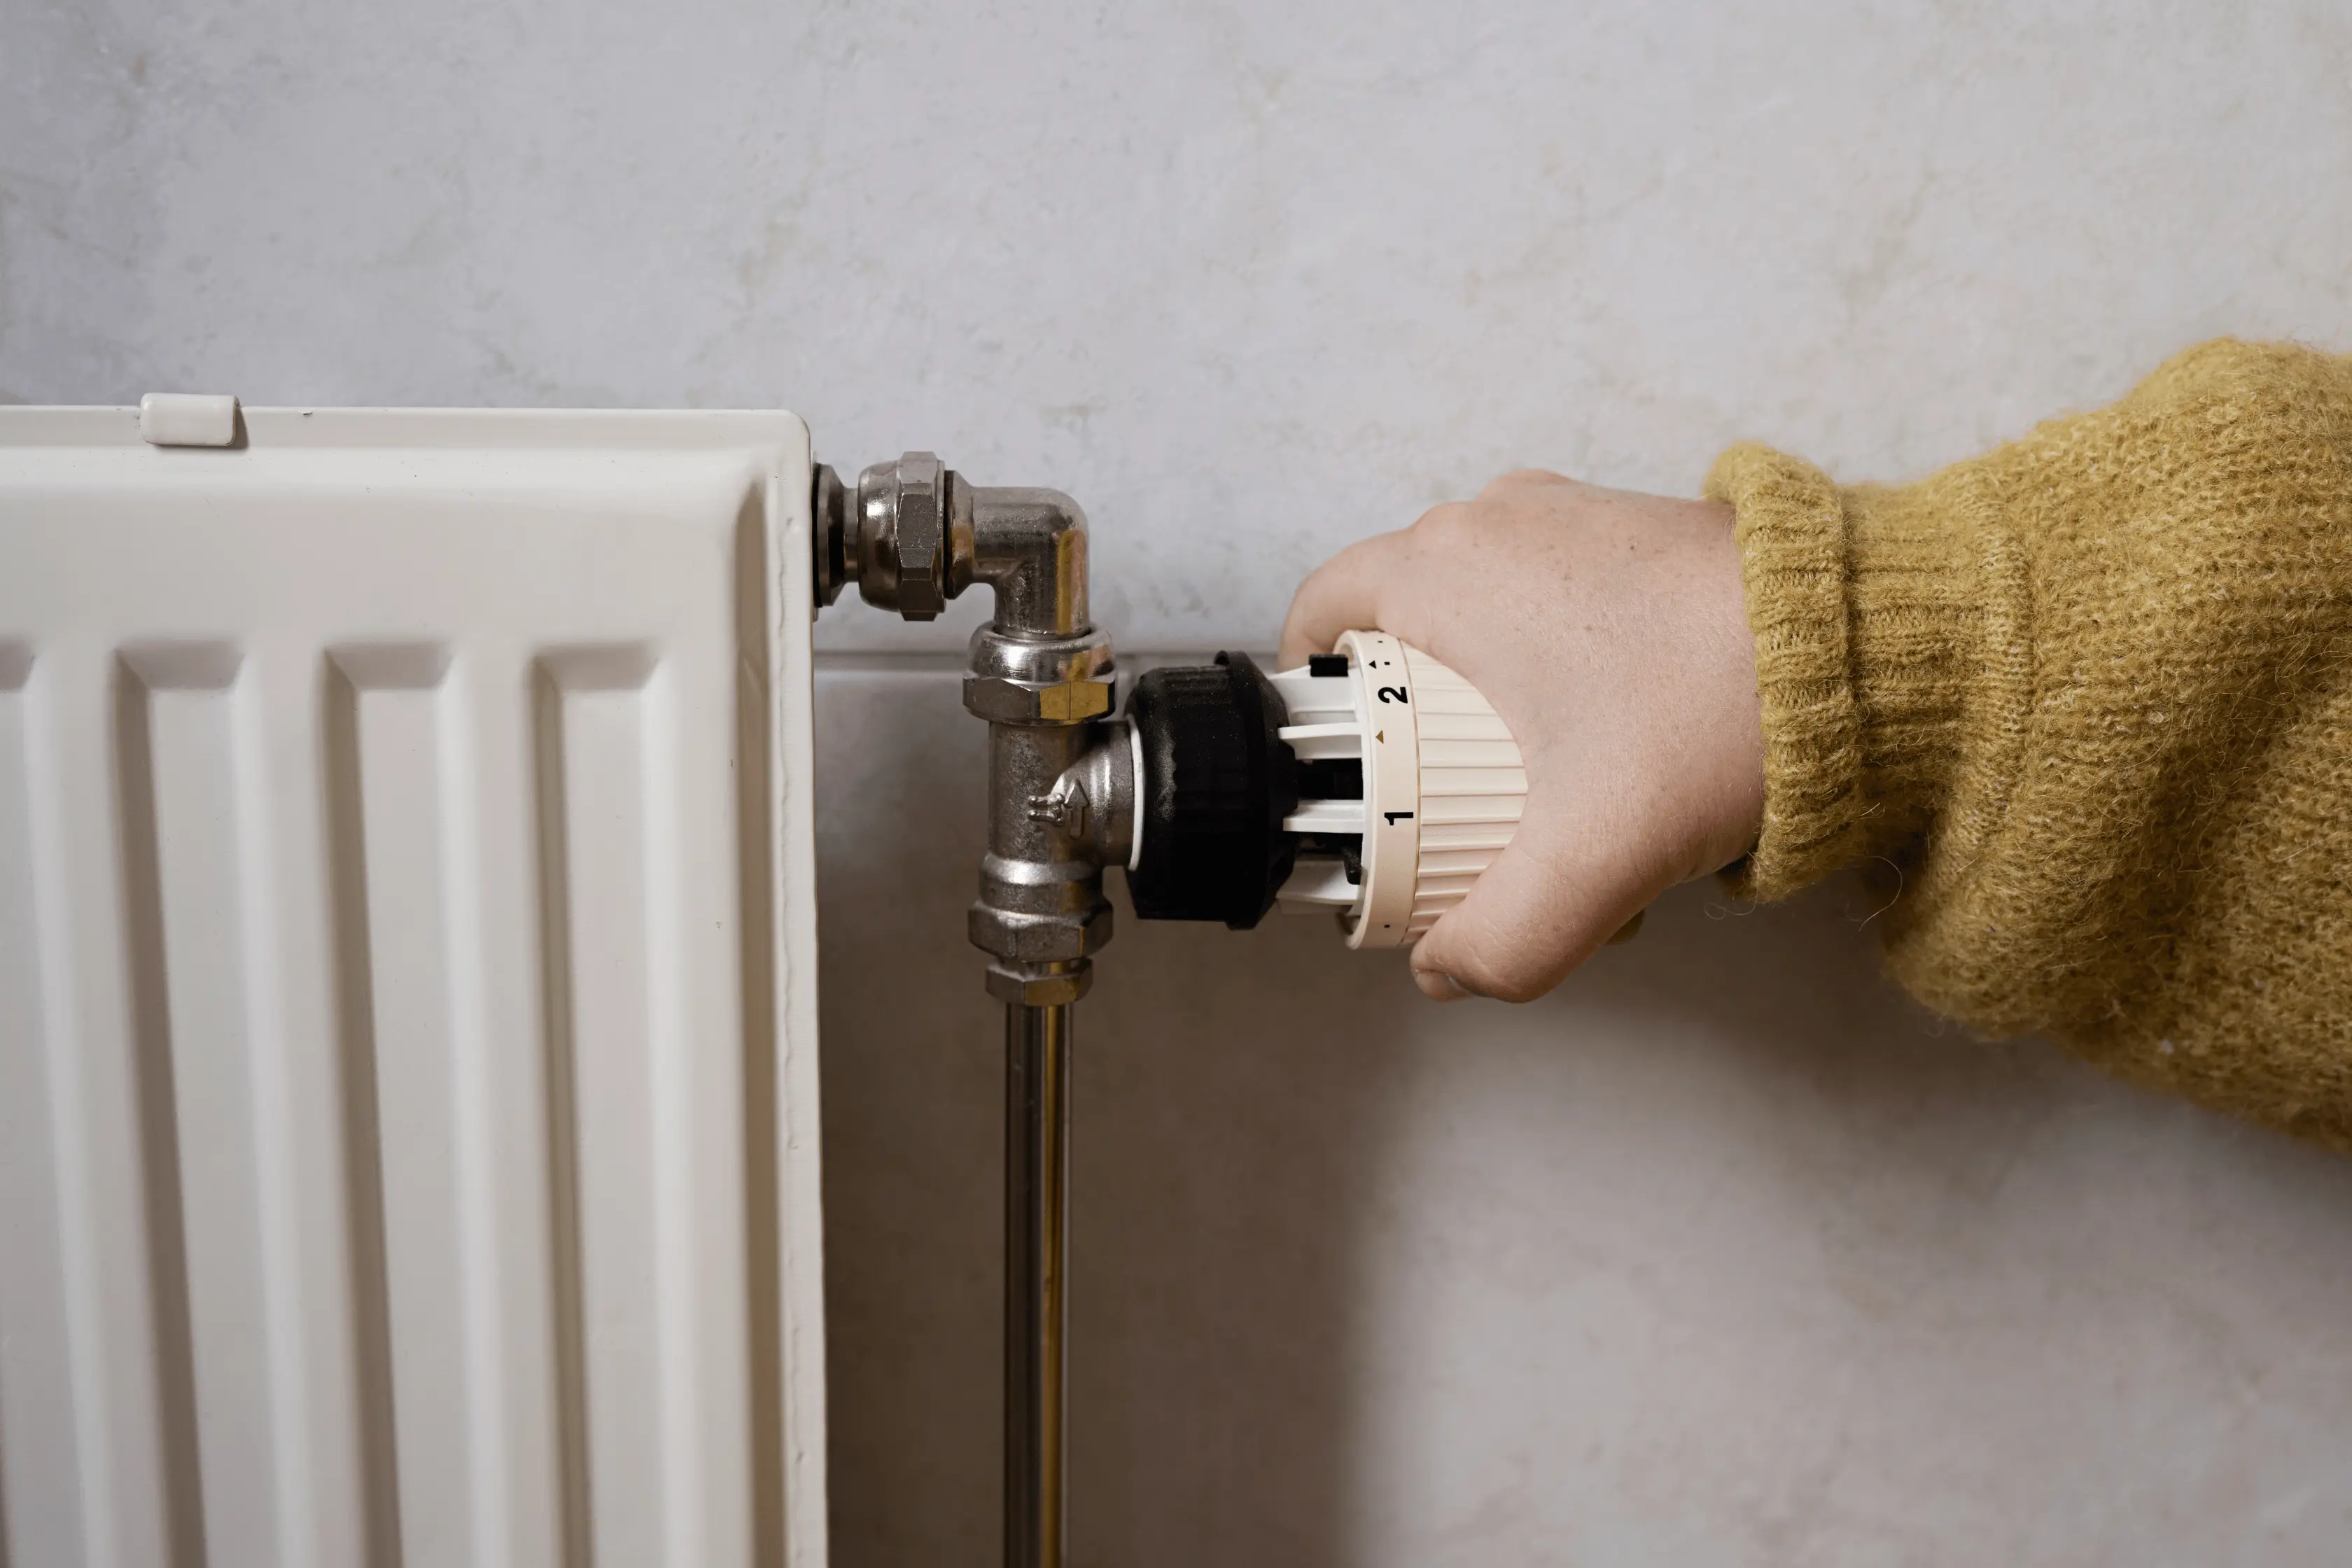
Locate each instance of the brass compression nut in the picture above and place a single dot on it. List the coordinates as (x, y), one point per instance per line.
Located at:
(1053, 988)
(1002, 700)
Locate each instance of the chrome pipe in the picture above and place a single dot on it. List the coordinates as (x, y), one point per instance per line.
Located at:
(1036, 1234)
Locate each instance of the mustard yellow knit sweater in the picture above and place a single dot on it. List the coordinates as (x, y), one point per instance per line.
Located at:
(2085, 704)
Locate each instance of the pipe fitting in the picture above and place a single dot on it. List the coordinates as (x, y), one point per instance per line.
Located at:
(1002, 701)
(1093, 803)
(1028, 680)
(1048, 985)
(1015, 938)
(1030, 545)
(831, 518)
(1040, 660)
(914, 535)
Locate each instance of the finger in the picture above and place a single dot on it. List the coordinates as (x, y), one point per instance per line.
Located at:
(1539, 910)
(1439, 987)
(1345, 594)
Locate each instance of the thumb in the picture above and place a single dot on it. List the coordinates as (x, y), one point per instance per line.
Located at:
(1539, 910)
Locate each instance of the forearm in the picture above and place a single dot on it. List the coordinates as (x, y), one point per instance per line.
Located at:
(2089, 699)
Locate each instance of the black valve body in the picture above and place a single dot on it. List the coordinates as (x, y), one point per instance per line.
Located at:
(1218, 780)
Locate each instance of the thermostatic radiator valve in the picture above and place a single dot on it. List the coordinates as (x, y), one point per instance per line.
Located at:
(1374, 782)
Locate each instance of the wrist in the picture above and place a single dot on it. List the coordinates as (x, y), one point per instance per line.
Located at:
(1869, 614)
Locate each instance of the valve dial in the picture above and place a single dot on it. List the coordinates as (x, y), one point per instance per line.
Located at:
(1372, 781)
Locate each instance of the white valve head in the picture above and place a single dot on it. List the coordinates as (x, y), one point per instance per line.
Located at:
(1409, 787)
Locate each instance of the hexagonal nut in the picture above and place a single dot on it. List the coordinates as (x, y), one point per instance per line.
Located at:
(1002, 701)
(1039, 990)
(1038, 939)
(920, 531)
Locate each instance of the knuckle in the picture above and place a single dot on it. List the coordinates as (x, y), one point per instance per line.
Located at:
(1452, 524)
(1521, 479)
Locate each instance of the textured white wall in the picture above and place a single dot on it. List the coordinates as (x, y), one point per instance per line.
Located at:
(1722, 1254)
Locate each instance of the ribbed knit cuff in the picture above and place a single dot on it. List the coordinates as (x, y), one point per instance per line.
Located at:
(1862, 606)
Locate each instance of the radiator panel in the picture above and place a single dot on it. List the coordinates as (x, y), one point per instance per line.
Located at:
(408, 1117)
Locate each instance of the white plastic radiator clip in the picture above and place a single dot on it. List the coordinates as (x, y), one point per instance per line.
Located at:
(1443, 785)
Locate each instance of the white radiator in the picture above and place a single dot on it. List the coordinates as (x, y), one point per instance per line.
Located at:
(408, 1140)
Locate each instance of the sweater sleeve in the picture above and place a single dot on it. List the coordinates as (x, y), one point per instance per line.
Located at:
(2084, 705)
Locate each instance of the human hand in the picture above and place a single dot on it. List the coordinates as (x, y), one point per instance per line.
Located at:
(1610, 632)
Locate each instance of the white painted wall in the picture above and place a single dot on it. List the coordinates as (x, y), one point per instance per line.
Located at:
(1721, 1255)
